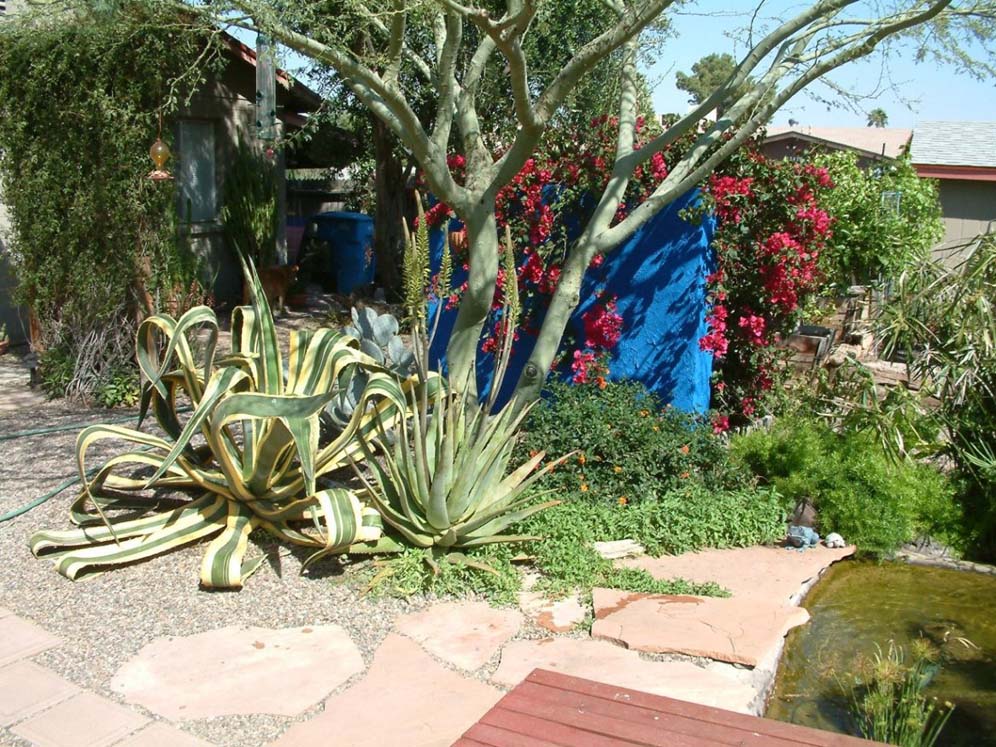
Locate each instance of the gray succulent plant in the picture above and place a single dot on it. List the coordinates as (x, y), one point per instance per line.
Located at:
(378, 336)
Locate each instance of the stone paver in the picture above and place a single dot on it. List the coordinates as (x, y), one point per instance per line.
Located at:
(557, 616)
(603, 662)
(162, 735)
(20, 639)
(85, 720)
(464, 634)
(232, 671)
(738, 630)
(406, 699)
(26, 688)
(770, 573)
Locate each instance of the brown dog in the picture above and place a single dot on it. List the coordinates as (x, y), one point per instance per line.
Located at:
(276, 281)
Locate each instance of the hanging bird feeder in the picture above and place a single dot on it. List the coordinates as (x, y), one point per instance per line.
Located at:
(266, 89)
(159, 153)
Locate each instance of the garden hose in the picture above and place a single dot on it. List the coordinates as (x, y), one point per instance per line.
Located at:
(14, 513)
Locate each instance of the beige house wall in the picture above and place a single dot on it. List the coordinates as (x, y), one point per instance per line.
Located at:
(969, 208)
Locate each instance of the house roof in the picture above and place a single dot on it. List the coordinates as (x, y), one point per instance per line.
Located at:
(955, 144)
(872, 142)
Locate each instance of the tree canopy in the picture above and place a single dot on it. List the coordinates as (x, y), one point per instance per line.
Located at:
(390, 53)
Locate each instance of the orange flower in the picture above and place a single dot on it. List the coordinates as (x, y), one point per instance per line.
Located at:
(623, 500)
(532, 453)
(656, 429)
(644, 413)
(581, 459)
(617, 469)
(684, 475)
(684, 449)
(584, 487)
(600, 380)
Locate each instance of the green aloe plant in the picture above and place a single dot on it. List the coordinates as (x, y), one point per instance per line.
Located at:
(249, 450)
(443, 480)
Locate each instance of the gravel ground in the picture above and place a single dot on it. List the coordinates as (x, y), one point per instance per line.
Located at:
(105, 619)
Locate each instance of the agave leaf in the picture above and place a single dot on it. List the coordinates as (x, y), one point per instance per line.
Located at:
(385, 327)
(185, 526)
(371, 348)
(500, 519)
(459, 558)
(222, 565)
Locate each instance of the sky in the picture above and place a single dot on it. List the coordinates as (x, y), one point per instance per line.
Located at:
(926, 91)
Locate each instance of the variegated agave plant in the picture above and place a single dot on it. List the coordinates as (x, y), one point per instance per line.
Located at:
(249, 451)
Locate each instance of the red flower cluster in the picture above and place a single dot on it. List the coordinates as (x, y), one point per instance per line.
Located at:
(602, 326)
(771, 230)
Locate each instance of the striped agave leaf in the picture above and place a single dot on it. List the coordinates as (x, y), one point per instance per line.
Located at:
(248, 453)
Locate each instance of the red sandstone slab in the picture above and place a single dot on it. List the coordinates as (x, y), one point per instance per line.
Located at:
(233, 671)
(464, 634)
(20, 639)
(774, 574)
(603, 662)
(26, 688)
(162, 735)
(85, 720)
(737, 630)
(406, 699)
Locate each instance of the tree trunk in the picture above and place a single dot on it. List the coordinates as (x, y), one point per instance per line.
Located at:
(390, 190)
(565, 299)
(461, 351)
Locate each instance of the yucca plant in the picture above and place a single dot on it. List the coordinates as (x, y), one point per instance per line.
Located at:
(443, 479)
(249, 450)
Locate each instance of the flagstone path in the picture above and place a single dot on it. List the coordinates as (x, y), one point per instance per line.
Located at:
(440, 670)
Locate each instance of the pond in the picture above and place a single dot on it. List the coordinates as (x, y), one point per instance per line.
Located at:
(860, 604)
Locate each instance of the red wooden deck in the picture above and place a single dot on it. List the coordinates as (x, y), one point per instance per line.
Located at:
(548, 709)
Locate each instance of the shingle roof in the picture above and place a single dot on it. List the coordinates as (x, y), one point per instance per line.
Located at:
(955, 144)
(887, 141)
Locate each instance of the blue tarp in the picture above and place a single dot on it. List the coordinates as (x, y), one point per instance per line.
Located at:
(659, 279)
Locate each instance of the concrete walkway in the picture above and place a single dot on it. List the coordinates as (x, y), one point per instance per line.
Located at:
(435, 675)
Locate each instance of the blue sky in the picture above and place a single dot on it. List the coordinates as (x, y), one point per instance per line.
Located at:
(932, 91)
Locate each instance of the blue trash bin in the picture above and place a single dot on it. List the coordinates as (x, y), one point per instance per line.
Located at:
(349, 237)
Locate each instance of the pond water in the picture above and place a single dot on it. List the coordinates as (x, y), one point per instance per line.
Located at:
(860, 604)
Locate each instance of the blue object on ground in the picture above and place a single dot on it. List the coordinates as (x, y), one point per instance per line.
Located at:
(802, 537)
(659, 278)
(349, 237)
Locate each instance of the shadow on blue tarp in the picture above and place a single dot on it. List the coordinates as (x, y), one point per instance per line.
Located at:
(658, 276)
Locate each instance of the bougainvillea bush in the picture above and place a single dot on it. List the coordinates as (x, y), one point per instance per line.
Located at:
(771, 231)
(544, 207)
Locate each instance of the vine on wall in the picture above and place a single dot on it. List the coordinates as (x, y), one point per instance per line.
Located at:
(93, 240)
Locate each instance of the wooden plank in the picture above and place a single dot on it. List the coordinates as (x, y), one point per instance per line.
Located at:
(558, 734)
(492, 736)
(790, 732)
(465, 742)
(650, 717)
(618, 731)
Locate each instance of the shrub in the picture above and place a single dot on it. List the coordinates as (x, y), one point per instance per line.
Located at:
(631, 450)
(92, 239)
(858, 490)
